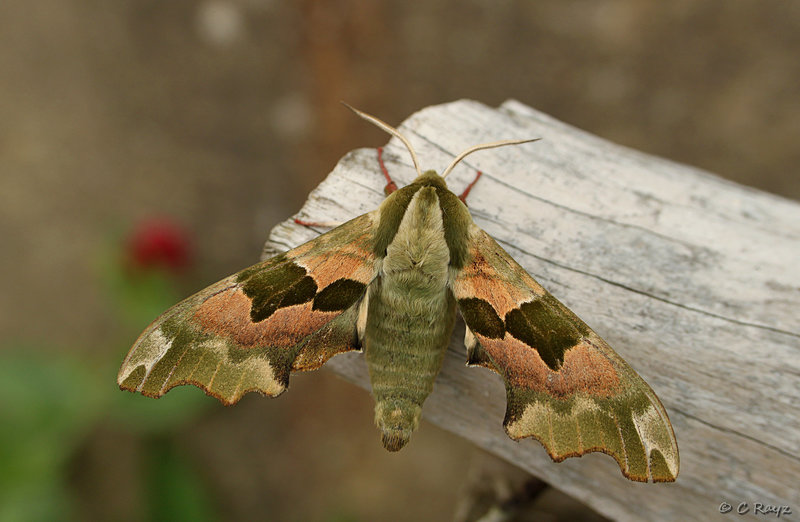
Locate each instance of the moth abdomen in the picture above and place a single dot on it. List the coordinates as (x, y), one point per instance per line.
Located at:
(397, 417)
(404, 352)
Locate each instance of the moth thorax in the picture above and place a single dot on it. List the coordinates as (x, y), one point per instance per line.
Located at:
(419, 243)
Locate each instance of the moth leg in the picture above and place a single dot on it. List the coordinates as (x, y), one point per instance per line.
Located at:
(463, 196)
(391, 186)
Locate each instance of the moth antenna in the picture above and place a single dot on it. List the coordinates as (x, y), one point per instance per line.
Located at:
(483, 146)
(391, 130)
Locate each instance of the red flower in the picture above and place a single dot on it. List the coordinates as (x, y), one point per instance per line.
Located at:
(158, 243)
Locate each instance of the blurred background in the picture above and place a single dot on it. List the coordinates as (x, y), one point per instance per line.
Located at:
(147, 148)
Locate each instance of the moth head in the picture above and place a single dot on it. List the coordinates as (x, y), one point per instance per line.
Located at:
(394, 132)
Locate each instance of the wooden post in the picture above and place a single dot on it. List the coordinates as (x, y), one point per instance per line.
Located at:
(694, 280)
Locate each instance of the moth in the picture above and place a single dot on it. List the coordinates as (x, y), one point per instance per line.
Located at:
(388, 283)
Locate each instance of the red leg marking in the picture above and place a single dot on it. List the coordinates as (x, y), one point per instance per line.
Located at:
(391, 186)
(463, 196)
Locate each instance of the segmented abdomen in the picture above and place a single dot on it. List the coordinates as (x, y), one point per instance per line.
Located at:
(406, 336)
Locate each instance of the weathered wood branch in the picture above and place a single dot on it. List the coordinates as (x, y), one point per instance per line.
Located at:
(694, 280)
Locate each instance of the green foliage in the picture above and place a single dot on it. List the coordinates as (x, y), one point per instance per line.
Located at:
(48, 403)
(174, 489)
(53, 397)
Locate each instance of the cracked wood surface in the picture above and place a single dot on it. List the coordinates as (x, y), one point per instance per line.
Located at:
(692, 279)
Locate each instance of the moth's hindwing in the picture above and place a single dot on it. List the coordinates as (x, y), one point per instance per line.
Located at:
(250, 330)
(565, 386)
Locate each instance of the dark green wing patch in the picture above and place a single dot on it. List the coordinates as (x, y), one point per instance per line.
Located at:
(544, 327)
(481, 317)
(538, 323)
(339, 295)
(281, 285)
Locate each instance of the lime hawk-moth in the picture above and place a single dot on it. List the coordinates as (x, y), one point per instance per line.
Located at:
(388, 283)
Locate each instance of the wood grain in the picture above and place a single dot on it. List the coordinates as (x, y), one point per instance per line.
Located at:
(692, 279)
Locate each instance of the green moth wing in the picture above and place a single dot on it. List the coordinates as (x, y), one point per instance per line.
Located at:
(565, 386)
(249, 331)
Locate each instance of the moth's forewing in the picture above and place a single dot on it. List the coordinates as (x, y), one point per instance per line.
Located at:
(250, 330)
(566, 387)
